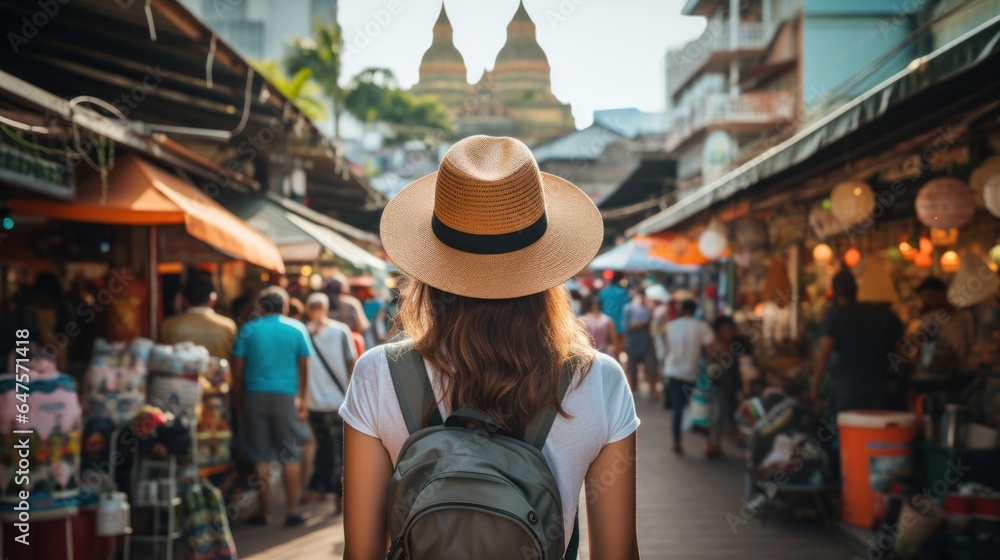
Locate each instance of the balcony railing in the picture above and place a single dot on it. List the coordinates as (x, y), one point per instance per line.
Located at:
(682, 64)
(758, 107)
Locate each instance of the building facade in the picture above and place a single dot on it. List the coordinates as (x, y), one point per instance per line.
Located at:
(260, 29)
(762, 68)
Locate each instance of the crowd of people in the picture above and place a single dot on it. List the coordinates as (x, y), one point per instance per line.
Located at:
(663, 336)
(291, 362)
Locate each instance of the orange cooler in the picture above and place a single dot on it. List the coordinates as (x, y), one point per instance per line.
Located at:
(876, 447)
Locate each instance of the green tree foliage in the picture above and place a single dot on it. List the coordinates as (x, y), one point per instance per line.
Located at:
(298, 89)
(371, 96)
(413, 117)
(321, 55)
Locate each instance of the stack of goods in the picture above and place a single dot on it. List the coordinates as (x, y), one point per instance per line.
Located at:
(973, 512)
(175, 385)
(53, 444)
(214, 432)
(114, 390)
(115, 383)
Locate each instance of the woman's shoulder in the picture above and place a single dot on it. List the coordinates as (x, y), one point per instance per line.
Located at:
(603, 374)
(370, 363)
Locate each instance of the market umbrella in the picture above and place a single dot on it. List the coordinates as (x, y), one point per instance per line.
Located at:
(635, 254)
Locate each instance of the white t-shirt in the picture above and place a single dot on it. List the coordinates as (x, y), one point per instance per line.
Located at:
(686, 338)
(601, 408)
(337, 346)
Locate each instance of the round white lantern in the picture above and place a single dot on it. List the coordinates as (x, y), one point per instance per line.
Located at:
(987, 171)
(822, 253)
(991, 195)
(712, 243)
(852, 202)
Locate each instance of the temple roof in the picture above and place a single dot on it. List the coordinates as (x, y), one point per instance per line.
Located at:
(442, 49)
(521, 45)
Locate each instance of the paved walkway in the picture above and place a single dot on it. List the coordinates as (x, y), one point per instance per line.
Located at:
(683, 507)
(684, 503)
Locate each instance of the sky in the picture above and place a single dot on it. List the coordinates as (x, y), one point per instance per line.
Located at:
(604, 54)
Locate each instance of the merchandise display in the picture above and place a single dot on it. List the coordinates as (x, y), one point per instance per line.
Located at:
(53, 444)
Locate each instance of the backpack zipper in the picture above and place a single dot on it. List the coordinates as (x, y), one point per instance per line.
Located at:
(448, 505)
(487, 476)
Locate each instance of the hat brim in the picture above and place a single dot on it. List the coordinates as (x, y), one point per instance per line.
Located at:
(572, 238)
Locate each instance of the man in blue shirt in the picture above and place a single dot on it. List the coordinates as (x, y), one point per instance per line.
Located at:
(614, 298)
(270, 375)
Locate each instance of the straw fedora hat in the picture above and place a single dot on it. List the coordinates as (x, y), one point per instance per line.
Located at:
(488, 224)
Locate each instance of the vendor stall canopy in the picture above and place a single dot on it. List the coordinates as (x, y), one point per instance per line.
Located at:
(139, 193)
(636, 255)
(158, 70)
(298, 239)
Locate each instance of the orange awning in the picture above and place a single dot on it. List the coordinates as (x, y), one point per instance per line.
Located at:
(677, 248)
(142, 194)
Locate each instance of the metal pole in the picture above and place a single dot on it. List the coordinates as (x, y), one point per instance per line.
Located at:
(154, 280)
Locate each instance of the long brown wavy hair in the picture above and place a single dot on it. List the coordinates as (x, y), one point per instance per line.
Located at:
(503, 357)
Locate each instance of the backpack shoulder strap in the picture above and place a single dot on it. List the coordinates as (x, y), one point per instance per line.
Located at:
(413, 386)
(538, 429)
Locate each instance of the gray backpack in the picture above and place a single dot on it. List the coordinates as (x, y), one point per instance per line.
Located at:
(463, 489)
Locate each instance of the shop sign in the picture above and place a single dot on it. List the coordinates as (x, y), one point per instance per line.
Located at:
(35, 172)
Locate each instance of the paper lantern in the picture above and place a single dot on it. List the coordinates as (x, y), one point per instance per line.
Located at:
(923, 260)
(875, 283)
(991, 195)
(974, 283)
(995, 253)
(852, 257)
(892, 253)
(945, 203)
(822, 253)
(712, 243)
(944, 237)
(987, 171)
(950, 261)
(852, 202)
(907, 251)
(777, 286)
(926, 246)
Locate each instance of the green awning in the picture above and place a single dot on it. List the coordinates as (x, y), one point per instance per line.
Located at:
(955, 58)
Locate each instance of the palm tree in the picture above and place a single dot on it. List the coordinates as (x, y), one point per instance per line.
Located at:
(298, 89)
(368, 92)
(371, 96)
(321, 55)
